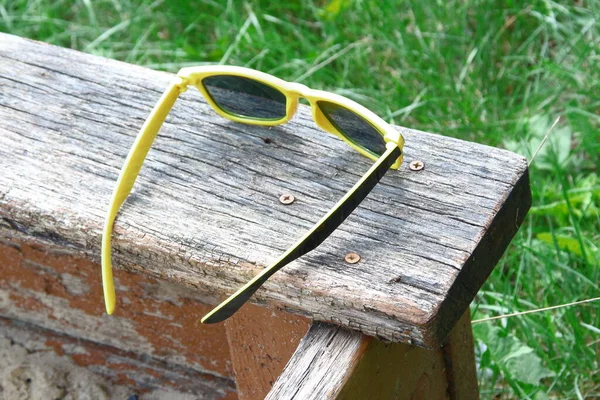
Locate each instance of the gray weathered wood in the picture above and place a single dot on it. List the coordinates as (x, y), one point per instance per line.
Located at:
(335, 363)
(325, 359)
(205, 209)
(54, 291)
(60, 363)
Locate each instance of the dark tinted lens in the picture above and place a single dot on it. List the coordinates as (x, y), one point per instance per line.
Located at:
(354, 127)
(245, 97)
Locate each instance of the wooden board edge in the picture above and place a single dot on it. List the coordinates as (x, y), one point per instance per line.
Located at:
(480, 264)
(326, 368)
(321, 365)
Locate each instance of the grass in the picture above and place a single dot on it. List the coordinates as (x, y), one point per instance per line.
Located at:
(495, 72)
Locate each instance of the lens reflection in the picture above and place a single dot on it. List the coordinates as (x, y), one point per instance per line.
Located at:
(245, 97)
(354, 127)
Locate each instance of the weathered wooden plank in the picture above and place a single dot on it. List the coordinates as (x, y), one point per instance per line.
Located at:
(334, 363)
(61, 292)
(321, 366)
(261, 342)
(205, 211)
(42, 364)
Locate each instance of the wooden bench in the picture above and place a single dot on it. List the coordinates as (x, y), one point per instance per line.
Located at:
(205, 217)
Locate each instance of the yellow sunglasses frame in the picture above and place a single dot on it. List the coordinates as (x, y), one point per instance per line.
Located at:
(193, 76)
(293, 91)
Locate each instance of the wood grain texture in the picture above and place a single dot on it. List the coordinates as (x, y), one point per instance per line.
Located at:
(140, 374)
(261, 342)
(205, 209)
(59, 292)
(322, 364)
(334, 363)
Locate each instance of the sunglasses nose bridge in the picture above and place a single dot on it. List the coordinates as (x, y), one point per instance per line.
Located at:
(297, 88)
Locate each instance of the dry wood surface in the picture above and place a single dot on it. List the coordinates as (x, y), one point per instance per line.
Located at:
(336, 363)
(324, 361)
(205, 209)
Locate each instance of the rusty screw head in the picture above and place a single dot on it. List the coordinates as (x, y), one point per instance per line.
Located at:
(286, 198)
(416, 165)
(352, 258)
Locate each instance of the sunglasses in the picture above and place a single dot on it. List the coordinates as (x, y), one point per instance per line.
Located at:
(253, 97)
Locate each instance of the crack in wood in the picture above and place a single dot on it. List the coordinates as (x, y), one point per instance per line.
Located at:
(205, 211)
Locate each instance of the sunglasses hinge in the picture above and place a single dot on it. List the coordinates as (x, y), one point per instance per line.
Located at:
(395, 137)
(181, 82)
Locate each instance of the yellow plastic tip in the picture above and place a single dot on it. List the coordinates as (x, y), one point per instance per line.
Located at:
(110, 308)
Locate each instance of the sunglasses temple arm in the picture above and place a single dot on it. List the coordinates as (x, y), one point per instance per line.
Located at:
(313, 238)
(129, 172)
